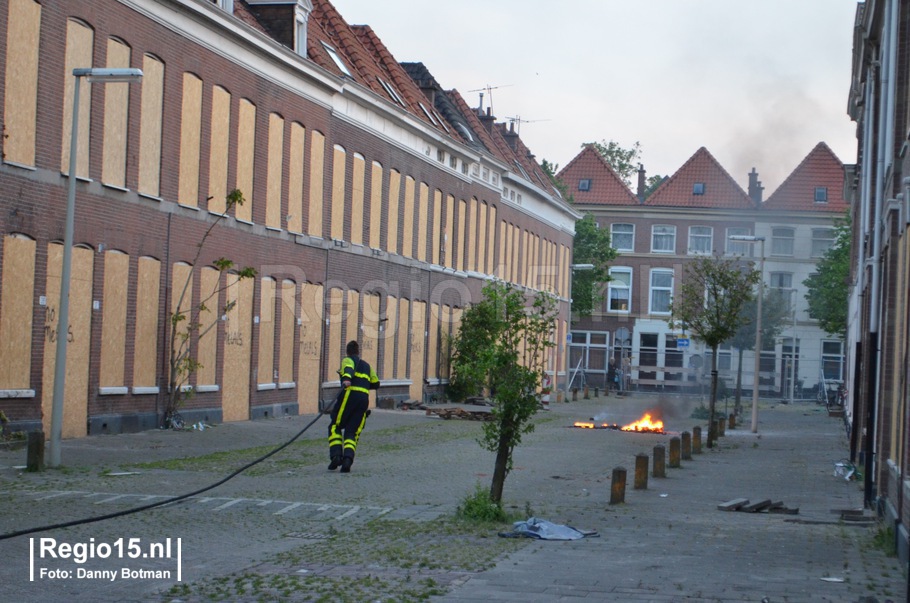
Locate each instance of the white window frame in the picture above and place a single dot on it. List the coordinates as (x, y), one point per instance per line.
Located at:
(702, 237)
(652, 289)
(619, 286)
(782, 241)
(818, 240)
(738, 247)
(336, 58)
(631, 234)
(670, 235)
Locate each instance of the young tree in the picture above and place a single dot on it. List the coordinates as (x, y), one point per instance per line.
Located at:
(775, 313)
(625, 162)
(185, 321)
(592, 246)
(827, 288)
(500, 347)
(710, 305)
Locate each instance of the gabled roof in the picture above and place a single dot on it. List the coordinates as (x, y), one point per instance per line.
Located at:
(820, 169)
(605, 187)
(701, 182)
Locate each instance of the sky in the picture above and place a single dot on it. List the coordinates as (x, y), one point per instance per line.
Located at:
(758, 83)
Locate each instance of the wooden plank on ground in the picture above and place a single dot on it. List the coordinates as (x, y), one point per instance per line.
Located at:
(733, 505)
(756, 507)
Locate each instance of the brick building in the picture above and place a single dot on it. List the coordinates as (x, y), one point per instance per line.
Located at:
(376, 206)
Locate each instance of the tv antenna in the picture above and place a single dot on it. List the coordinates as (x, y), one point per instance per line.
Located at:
(489, 90)
(517, 121)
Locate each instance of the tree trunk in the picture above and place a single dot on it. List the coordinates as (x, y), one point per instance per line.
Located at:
(712, 427)
(737, 405)
(500, 469)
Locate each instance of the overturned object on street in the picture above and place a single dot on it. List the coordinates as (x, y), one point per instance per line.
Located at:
(545, 530)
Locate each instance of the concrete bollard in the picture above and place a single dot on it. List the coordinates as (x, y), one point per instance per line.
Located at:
(574, 394)
(587, 395)
(732, 420)
(674, 453)
(35, 453)
(686, 439)
(641, 471)
(696, 439)
(660, 461)
(618, 486)
(721, 427)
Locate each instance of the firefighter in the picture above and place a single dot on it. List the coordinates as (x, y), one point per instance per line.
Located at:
(349, 414)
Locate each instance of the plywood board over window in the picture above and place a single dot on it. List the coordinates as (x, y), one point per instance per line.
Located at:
(17, 289)
(246, 156)
(436, 239)
(190, 132)
(369, 333)
(376, 206)
(491, 241)
(113, 319)
(266, 333)
(310, 345)
(287, 318)
(337, 206)
(389, 333)
(461, 240)
(317, 175)
(145, 341)
(433, 337)
(275, 173)
(116, 118)
(393, 205)
(335, 316)
(294, 217)
(448, 233)
(407, 231)
(352, 317)
(207, 347)
(150, 120)
(235, 399)
(358, 173)
(417, 348)
(181, 303)
(79, 40)
(404, 337)
(471, 263)
(75, 395)
(218, 149)
(422, 220)
(20, 101)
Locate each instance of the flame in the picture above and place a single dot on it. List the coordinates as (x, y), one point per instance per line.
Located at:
(584, 425)
(644, 424)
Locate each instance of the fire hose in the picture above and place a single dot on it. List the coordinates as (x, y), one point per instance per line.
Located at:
(168, 500)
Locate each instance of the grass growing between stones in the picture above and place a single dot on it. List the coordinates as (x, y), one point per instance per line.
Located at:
(384, 560)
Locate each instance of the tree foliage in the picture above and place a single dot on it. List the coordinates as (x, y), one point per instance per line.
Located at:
(592, 246)
(625, 162)
(186, 322)
(500, 347)
(827, 288)
(709, 305)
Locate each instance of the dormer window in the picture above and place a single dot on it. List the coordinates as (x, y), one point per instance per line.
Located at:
(698, 188)
(337, 59)
(226, 5)
(821, 194)
(584, 184)
(390, 91)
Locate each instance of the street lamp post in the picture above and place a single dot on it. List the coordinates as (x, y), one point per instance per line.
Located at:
(90, 75)
(573, 268)
(761, 293)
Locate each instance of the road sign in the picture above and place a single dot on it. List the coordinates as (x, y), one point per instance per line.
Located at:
(682, 342)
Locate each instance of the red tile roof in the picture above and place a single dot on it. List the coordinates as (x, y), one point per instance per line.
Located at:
(606, 187)
(820, 169)
(718, 189)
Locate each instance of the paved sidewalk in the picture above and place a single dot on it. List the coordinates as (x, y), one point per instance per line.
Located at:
(666, 543)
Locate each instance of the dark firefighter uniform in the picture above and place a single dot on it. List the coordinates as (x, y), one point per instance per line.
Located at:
(350, 410)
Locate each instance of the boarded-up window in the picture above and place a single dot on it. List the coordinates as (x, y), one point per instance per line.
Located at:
(310, 345)
(460, 245)
(417, 348)
(335, 316)
(266, 332)
(275, 171)
(436, 239)
(421, 218)
(352, 316)
(376, 206)
(181, 303)
(17, 288)
(218, 149)
(472, 238)
(288, 320)
(393, 205)
(357, 193)
(145, 340)
(190, 129)
(481, 238)
(317, 172)
(246, 155)
(113, 318)
(150, 121)
(79, 39)
(20, 102)
(433, 338)
(207, 355)
(404, 336)
(369, 333)
(337, 206)
(448, 233)
(116, 114)
(491, 241)
(295, 178)
(235, 398)
(390, 330)
(407, 232)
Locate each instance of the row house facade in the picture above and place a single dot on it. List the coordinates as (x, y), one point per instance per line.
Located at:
(878, 328)
(376, 207)
(691, 213)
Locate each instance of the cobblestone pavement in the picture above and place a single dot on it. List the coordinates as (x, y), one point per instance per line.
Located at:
(289, 530)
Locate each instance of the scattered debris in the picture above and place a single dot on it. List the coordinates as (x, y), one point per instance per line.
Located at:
(411, 405)
(832, 579)
(545, 530)
(460, 413)
(743, 505)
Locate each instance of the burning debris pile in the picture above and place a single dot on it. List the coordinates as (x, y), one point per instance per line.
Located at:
(643, 425)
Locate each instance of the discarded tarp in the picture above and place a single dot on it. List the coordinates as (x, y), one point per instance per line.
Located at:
(545, 530)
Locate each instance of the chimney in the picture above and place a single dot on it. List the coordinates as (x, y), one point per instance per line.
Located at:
(487, 118)
(511, 136)
(641, 182)
(755, 188)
